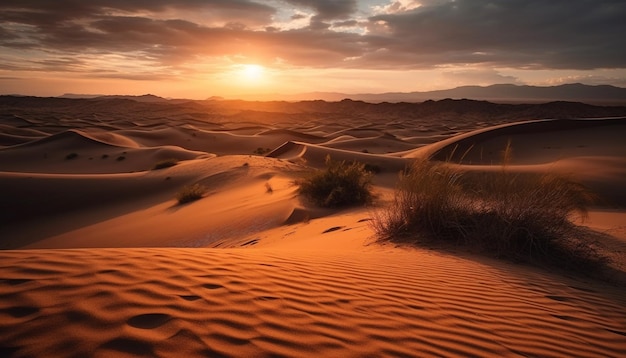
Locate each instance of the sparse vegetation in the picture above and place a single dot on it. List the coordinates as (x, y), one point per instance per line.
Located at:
(120, 158)
(521, 216)
(190, 193)
(261, 151)
(71, 156)
(372, 168)
(104, 156)
(340, 184)
(165, 164)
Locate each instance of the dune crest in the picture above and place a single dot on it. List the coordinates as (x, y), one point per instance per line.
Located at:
(100, 259)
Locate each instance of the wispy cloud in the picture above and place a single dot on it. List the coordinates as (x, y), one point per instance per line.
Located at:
(166, 36)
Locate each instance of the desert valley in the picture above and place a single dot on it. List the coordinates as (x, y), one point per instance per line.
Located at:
(101, 259)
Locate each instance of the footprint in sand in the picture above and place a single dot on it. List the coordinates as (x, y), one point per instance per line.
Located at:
(565, 318)
(212, 286)
(20, 311)
(251, 242)
(15, 281)
(335, 228)
(149, 320)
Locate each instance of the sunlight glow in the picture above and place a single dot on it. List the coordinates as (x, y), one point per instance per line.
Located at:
(251, 73)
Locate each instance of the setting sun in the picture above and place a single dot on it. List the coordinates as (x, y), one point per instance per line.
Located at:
(251, 73)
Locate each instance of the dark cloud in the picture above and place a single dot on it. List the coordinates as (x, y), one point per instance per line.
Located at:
(558, 34)
(572, 34)
(49, 13)
(328, 9)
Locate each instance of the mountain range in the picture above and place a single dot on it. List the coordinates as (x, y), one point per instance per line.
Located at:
(500, 93)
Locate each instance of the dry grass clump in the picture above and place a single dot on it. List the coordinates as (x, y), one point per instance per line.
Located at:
(165, 164)
(522, 216)
(340, 184)
(190, 193)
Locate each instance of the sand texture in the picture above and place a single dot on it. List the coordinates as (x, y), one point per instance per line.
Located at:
(99, 259)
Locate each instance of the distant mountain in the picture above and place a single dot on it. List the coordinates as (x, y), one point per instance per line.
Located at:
(448, 112)
(77, 96)
(149, 98)
(143, 98)
(501, 93)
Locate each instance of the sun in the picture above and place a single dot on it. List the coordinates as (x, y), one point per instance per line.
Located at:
(251, 73)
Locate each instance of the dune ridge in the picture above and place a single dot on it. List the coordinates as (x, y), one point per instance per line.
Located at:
(99, 259)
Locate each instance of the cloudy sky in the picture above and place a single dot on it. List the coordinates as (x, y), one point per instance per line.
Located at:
(202, 48)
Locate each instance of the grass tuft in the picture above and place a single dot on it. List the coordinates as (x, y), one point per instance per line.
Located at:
(340, 184)
(521, 216)
(190, 193)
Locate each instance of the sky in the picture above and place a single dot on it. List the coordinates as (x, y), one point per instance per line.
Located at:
(229, 48)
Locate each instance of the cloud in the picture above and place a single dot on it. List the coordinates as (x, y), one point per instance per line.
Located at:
(573, 34)
(168, 36)
(328, 9)
(481, 77)
(49, 14)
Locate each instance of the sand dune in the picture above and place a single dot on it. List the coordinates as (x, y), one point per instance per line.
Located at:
(590, 151)
(75, 151)
(261, 302)
(103, 261)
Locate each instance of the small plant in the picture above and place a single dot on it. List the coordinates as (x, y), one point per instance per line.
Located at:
(120, 158)
(104, 156)
(261, 151)
(71, 156)
(190, 193)
(341, 184)
(521, 216)
(165, 164)
(373, 168)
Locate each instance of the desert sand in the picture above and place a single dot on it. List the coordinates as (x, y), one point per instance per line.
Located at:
(100, 260)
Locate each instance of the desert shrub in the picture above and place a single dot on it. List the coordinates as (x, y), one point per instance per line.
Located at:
(121, 158)
(165, 164)
(190, 193)
(522, 216)
(261, 151)
(71, 156)
(340, 184)
(373, 168)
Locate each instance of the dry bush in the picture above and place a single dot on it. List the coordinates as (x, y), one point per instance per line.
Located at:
(522, 216)
(340, 184)
(190, 193)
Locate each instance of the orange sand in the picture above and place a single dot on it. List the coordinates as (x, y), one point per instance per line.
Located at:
(101, 260)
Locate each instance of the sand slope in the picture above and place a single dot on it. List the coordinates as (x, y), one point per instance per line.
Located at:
(230, 302)
(104, 262)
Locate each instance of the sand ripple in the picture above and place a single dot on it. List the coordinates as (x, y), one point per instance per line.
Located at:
(222, 303)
